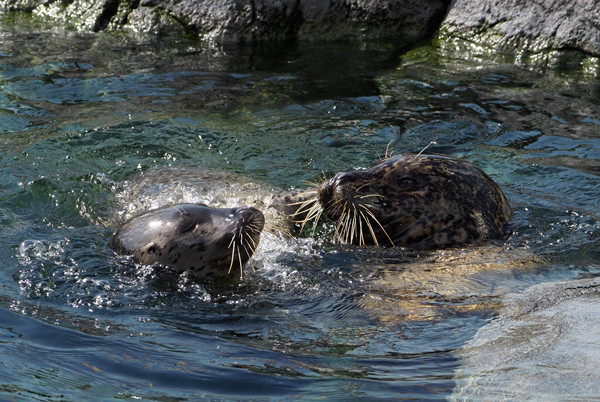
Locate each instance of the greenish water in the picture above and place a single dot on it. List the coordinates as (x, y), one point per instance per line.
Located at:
(81, 114)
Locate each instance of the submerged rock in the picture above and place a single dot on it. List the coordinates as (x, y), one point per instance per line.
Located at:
(532, 26)
(542, 346)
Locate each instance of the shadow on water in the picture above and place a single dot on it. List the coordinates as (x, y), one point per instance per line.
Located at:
(81, 116)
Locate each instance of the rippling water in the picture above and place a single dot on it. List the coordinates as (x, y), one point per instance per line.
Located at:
(80, 115)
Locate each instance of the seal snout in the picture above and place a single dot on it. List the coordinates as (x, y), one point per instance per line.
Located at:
(192, 237)
(334, 189)
(250, 217)
(342, 178)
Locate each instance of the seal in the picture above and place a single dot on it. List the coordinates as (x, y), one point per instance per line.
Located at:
(412, 200)
(163, 186)
(210, 242)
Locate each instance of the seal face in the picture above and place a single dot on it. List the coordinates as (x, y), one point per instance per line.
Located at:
(421, 201)
(192, 237)
(162, 186)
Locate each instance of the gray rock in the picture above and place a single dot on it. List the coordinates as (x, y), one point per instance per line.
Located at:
(338, 19)
(245, 21)
(542, 346)
(530, 25)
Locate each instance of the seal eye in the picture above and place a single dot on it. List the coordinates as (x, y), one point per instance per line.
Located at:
(408, 183)
(152, 250)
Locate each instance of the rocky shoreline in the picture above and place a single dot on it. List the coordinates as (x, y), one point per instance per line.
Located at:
(533, 26)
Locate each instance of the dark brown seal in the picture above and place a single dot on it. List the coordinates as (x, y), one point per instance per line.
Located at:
(421, 201)
(192, 237)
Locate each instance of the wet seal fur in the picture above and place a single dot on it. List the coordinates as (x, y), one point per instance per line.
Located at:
(412, 200)
(162, 186)
(210, 242)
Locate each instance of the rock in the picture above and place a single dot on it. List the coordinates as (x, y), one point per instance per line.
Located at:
(246, 21)
(543, 345)
(367, 19)
(530, 25)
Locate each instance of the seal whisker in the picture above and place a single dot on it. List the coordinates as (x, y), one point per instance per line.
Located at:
(338, 205)
(307, 201)
(232, 242)
(305, 206)
(361, 187)
(241, 263)
(250, 254)
(434, 141)
(370, 228)
(232, 255)
(273, 227)
(252, 228)
(387, 148)
(313, 184)
(369, 196)
(350, 229)
(361, 239)
(235, 246)
(251, 242)
(354, 226)
(317, 218)
(346, 223)
(313, 210)
(309, 216)
(339, 227)
(379, 224)
(245, 243)
(312, 214)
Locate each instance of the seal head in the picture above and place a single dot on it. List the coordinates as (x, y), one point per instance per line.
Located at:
(421, 201)
(192, 237)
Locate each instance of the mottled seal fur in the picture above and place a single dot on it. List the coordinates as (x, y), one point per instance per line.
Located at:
(420, 201)
(208, 241)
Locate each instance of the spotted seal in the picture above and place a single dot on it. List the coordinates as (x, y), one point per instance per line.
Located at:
(169, 185)
(192, 237)
(412, 200)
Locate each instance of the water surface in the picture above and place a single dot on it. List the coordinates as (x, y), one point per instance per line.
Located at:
(81, 114)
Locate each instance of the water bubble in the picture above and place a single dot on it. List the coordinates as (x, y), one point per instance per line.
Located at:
(38, 249)
(29, 248)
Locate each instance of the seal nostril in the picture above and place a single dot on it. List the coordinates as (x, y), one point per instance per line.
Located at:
(249, 214)
(245, 213)
(341, 178)
(333, 186)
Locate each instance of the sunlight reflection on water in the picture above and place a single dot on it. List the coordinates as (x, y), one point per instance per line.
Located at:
(313, 319)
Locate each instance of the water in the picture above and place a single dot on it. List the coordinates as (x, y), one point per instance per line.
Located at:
(80, 115)
(544, 343)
